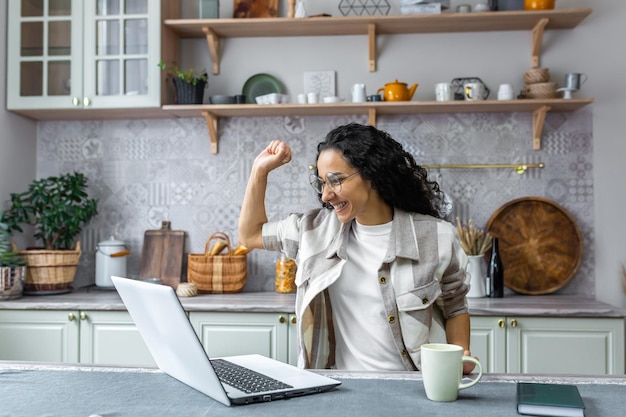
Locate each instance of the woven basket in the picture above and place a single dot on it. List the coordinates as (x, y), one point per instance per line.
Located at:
(222, 274)
(50, 270)
(537, 75)
(541, 90)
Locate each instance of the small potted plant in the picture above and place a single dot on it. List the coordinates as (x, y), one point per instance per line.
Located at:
(58, 207)
(12, 267)
(189, 84)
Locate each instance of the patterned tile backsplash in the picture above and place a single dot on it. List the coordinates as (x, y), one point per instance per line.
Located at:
(146, 171)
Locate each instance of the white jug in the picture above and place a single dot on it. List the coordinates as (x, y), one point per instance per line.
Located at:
(110, 260)
(358, 93)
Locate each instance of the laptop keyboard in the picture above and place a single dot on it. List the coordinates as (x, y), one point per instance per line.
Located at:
(245, 379)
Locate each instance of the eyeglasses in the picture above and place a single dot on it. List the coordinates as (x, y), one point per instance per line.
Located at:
(333, 182)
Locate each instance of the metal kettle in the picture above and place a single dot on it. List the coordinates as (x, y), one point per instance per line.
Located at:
(110, 260)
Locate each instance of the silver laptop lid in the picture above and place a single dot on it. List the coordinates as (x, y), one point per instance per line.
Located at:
(158, 314)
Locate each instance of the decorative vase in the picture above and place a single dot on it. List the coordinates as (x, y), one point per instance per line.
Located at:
(11, 282)
(188, 93)
(477, 268)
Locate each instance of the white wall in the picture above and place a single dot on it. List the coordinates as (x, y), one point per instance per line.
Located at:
(18, 137)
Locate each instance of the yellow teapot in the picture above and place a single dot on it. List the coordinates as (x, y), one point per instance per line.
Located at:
(397, 91)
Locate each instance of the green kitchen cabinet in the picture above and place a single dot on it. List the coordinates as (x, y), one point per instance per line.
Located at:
(556, 345)
(89, 337)
(242, 333)
(76, 54)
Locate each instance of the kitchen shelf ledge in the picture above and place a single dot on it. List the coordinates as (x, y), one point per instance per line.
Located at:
(539, 108)
(372, 26)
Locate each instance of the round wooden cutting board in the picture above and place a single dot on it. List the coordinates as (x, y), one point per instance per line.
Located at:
(540, 245)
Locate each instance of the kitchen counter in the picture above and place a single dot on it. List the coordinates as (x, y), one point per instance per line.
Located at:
(68, 391)
(93, 298)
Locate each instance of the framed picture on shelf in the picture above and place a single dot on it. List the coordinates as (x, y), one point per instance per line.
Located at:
(321, 82)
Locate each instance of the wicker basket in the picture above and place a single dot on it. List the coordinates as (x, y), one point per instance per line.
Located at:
(541, 90)
(224, 273)
(537, 75)
(50, 270)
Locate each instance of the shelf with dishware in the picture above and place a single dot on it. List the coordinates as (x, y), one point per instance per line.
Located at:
(538, 107)
(535, 21)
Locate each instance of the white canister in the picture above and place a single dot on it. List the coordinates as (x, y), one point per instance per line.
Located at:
(110, 260)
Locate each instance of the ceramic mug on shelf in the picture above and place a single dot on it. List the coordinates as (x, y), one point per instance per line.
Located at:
(444, 92)
(574, 80)
(505, 92)
(474, 91)
(442, 371)
(358, 93)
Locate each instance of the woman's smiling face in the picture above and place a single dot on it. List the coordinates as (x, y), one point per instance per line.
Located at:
(355, 198)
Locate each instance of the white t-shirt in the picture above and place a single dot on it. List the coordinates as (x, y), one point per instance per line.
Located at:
(364, 339)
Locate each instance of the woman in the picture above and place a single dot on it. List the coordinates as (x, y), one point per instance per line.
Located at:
(379, 271)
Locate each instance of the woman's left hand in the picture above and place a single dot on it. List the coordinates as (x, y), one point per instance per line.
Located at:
(468, 367)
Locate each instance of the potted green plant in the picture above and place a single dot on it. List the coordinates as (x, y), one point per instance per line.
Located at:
(57, 207)
(12, 267)
(189, 84)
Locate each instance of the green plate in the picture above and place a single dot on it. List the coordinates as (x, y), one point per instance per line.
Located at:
(261, 84)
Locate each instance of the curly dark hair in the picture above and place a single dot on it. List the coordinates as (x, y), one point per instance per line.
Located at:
(392, 171)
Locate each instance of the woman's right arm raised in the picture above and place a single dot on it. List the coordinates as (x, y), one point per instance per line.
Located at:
(253, 215)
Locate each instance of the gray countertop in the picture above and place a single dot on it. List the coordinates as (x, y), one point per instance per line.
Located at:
(80, 391)
(94, 298)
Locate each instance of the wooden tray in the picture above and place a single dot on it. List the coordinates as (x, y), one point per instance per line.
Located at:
(540, 245)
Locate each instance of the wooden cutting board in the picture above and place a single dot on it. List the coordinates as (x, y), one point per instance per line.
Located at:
(540, 245)
(162, 255)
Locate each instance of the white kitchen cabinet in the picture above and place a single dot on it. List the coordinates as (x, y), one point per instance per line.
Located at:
(39, 335)
(96, 337)
(76, 54)
(556, 345)
(228, 334)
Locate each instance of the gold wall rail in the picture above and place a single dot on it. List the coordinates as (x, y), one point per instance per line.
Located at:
(519, 168)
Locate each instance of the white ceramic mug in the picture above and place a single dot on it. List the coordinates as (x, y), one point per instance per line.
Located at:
(312, 98)
(474, 91)
(442, 371)
(444, 92)
(505, 92)
(358, 93)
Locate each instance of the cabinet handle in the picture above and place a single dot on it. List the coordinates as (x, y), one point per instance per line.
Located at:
(83, 315)
(75, 101)
(513, 323)
(500, 323)
(281, 319)
(71, 317)
(86, 101)
(294, 320)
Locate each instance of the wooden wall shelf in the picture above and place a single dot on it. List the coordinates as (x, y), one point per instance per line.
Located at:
(534, 21)
(539, 108)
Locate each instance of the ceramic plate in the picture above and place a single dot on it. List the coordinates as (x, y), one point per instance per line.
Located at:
(261, 84)
(540, 245)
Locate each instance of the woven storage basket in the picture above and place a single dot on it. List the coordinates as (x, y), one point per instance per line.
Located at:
(50, 270)
(225, 273)
(537, 75)
(541, 90)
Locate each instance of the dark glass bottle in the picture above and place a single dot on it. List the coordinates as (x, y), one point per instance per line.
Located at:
(496, 272)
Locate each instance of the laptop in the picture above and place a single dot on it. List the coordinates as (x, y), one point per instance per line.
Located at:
(177, 350)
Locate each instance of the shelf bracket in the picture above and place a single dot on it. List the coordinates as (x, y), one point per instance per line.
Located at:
(537, 39)
(214, 48)
(371, 31)
(211, 122)
(539, 117)
(372, 116)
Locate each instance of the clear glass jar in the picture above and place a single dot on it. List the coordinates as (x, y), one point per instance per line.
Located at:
(285, 275)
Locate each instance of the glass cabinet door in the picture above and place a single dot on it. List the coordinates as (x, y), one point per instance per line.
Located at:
(74, 54)
(122, 46)
(43, 62)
